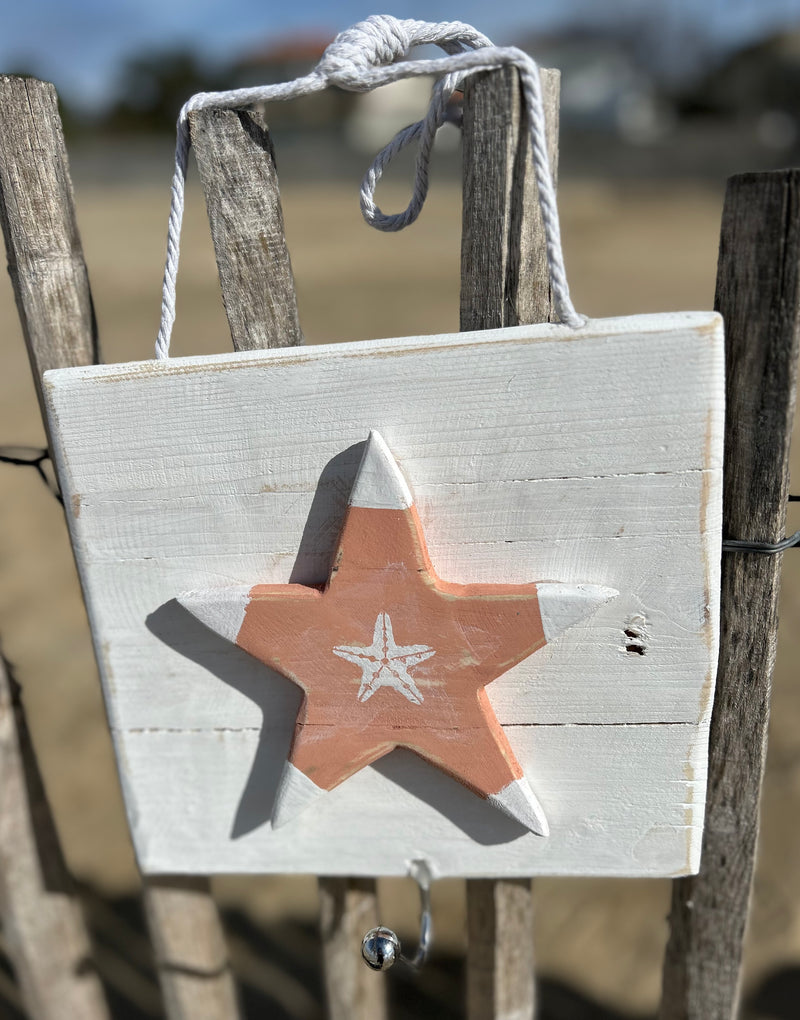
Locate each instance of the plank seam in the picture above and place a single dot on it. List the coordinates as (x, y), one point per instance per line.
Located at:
(141, 730)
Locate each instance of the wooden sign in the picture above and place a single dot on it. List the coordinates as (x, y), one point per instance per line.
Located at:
(277, 601)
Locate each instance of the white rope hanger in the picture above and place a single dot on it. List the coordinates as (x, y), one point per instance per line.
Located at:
(363, 58)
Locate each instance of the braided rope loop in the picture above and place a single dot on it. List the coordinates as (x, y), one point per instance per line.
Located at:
(364, 57)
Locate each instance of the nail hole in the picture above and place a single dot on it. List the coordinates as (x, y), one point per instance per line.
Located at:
(636, 636)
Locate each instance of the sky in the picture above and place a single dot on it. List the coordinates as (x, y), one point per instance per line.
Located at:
(80, 44)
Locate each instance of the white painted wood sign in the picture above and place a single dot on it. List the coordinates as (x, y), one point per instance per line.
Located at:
(228, 511)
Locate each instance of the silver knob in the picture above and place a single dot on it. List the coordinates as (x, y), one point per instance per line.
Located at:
(380, 948)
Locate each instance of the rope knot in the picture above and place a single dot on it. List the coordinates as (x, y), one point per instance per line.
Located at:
(364, 57)
(376, 42)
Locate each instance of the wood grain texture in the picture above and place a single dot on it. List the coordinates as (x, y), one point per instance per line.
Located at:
(37, 211)
(504, 282)
(195, 487)
(500, 978)
(54, 301)
(504, 277)
(41, 916)
(190, 950)
(758, 293)
(237, 169)
(43, 926)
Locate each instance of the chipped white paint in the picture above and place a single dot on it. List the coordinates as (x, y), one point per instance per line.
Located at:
(384, 663)
(532, 456)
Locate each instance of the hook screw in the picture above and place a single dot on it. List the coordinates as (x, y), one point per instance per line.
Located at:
(380, 947)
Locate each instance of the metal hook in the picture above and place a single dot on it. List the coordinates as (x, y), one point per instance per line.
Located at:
(381, 947)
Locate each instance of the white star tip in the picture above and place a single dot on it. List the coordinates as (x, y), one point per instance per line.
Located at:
(519, 802)
(295, 793)
(379, 484)
(220, 609)
(562, 605)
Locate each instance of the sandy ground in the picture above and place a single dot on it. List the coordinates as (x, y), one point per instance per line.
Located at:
(628, 250)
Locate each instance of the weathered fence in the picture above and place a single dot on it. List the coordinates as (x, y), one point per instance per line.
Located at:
(51, 287)
(758, 295)
(504, 282)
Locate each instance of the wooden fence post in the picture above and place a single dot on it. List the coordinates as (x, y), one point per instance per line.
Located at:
(51, 287)
(237, 170)
(40, 915)
(758, 293)
(348, 909)
(504, 282)
(190, 950)
(37, 211)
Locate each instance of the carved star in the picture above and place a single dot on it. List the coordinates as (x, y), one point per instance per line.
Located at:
(367, 692)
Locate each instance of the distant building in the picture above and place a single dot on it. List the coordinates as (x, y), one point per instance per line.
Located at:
(604, 89)
(604, 86)
(291, 57)
(365, 121)
(759, 86)
(378, 116)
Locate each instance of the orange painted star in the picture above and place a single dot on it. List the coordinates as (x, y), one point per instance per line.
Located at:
(389, 655)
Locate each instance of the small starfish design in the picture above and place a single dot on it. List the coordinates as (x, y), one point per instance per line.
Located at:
(385, 663)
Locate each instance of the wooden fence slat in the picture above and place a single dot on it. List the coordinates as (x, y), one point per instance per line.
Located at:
(348, 909)
(51, 286)
(237, 170)
(233, 147)
(45, 932)
(37, 210)
(41, 916)
(500, 978)
(190, 950)
(196, 981)
(504, 282)
(758, 293)
(504, 277)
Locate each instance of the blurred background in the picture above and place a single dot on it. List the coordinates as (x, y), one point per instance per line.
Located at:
(661, 101)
